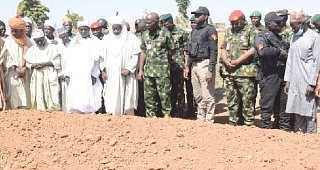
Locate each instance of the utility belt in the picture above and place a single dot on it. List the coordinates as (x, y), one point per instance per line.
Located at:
(199, 59)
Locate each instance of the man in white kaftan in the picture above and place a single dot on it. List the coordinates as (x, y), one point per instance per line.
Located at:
(63, 46)
(119, 69)
(301, 73)
(17, 77)
(82, 72)
(43, 60)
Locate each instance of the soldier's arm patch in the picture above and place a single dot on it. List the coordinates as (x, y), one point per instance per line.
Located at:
(260, 47)
(214, 36)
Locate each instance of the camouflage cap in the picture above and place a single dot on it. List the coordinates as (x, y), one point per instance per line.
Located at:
(282, 12)
(192, 18)
(161, 18)
(308, 18)
(255, 14)
(166, 17)
(315, 18)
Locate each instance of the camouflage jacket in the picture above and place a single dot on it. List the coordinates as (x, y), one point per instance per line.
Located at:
(260, 28)
(286, 35)
(157, 47)
(138, 34)
(237, 43)
(180, 38)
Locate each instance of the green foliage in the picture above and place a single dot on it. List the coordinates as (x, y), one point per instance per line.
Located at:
(34, 10)
(183, 5)
(75, 18)
(181, 22)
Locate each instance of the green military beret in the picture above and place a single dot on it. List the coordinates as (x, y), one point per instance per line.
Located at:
(255, 14)
(192, 18)
(166, 17)
(315, 18)
(282, 12)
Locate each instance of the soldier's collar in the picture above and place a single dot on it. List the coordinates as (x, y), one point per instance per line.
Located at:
(202, 25)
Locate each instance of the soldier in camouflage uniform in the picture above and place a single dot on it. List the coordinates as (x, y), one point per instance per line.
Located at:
(255, 17)
(157, 46)
(177, 67)
(240, 79)
(286, 34)
(140, 27)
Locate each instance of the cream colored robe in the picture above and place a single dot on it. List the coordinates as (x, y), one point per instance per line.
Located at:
(44, 85)
(82, 61)
(120, 92)
(17, 91)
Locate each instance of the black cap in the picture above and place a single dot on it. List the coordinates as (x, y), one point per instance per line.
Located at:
(272, 16)
(201, 10)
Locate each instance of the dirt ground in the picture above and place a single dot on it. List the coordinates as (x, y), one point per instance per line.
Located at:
(55, 140)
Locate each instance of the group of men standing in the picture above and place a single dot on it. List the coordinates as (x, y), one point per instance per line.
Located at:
(281, 60)
(145, 73)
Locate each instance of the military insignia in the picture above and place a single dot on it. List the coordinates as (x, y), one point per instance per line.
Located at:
(235, 18)
(149, 46)
(242, 38)
(214, 37)
(158, 44)
(260, 47)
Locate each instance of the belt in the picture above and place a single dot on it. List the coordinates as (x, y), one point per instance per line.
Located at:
(198, 59)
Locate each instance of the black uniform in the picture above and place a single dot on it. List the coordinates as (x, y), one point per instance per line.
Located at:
(268, 47)
(203, 45)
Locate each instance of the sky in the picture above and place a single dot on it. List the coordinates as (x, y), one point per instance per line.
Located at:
(220, 10)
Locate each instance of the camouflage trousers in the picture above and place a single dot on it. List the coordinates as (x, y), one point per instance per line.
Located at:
(157, 90)
(241, 93)
(177, 91)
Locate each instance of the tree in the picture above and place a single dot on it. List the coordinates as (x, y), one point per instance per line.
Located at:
(34, 10)
(74, 18)
(183, 5)
(181, 22)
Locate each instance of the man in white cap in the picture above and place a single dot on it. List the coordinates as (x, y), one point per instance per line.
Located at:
(48, 28)
(301, 73)
(63, 46)
(119, 68)
(29, 26)
(82, 72)
(43, 60)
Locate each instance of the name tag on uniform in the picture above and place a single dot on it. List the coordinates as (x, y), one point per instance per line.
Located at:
(149, 46)
(228, 46)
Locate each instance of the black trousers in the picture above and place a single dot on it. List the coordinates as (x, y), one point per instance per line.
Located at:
(273, 100)
(141, 109)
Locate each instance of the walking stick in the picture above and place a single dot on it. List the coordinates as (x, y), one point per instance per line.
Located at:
(124, 94)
